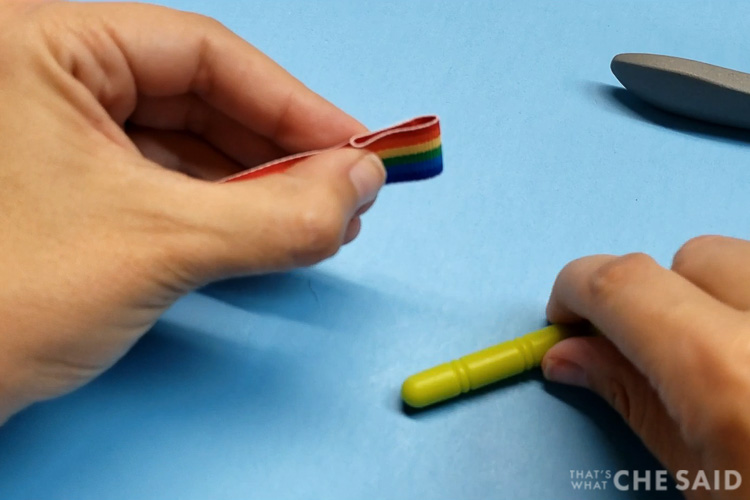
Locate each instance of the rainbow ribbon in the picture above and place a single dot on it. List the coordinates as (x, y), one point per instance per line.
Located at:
(410, 151)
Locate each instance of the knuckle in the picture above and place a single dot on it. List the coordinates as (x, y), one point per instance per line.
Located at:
(618, 397)
(319, 227)
(196, 117)
(631, 395)
(213, 34)
(616, 273)
(692, 253)
(722, 423)
(205, 21)
(716, 372)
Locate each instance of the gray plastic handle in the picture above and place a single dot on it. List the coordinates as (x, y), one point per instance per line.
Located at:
(690, 88)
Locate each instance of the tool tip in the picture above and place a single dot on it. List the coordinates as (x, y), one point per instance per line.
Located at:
(412, 394)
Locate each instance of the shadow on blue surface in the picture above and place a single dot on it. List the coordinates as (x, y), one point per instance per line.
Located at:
(175, 369)
(624, 102)
(308, 296)
(619, 437)
(175, 356)
(214, 361)
(629, 446)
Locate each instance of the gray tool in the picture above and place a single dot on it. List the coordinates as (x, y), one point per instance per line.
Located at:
(690, 88)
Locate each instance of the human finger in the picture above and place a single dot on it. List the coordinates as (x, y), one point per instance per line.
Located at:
(190, 114)
(719, 265)
(596, 364)
(281, 221)
(184, 153)
(677, 335)
(120, 51)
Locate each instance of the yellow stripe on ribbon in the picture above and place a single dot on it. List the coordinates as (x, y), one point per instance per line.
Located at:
(410, 150)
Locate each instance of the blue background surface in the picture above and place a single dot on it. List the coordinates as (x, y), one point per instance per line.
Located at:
(286, 386)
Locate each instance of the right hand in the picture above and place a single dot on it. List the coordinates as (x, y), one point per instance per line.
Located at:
(674, 358)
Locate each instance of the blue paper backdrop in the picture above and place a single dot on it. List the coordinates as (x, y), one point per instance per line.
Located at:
(286, 386)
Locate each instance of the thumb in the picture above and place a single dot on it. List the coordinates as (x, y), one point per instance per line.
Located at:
(595, 363)
(284, 220)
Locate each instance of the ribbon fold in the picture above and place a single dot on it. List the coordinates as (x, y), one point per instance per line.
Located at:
(410, 151)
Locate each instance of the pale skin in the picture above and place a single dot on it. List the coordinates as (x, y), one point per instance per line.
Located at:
(674, 355)
(115, 120)
(98, 237)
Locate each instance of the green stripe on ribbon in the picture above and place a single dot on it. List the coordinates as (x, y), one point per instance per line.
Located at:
(403, 160)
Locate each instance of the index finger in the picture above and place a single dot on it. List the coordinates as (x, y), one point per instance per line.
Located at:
(168, 52)
(669, 328)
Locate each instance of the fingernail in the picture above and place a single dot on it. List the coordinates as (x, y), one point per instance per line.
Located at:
(564, 372)
(367, 175)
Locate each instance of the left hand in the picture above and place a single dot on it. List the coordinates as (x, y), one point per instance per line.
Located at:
(98, 239)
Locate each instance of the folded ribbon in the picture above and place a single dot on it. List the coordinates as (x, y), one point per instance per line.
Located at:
(410, 151)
